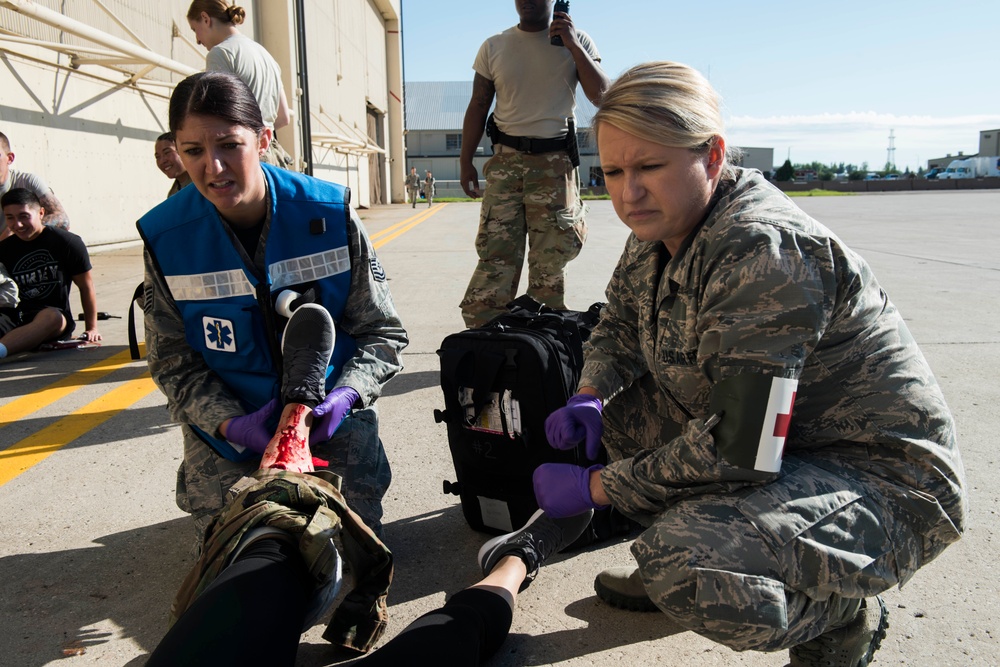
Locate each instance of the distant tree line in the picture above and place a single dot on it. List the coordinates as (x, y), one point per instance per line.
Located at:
(827, 172)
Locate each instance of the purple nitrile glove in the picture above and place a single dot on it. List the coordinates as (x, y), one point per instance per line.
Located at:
(328, 414)
(563, 489)
(251, 431)
(581, 418)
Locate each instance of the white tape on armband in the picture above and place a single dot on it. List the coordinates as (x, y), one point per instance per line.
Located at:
(774, 430)
(756, 411)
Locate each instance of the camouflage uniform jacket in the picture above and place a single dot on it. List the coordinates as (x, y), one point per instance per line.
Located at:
(311, 509)
(8, 289)
(761, 287)
(196, 395)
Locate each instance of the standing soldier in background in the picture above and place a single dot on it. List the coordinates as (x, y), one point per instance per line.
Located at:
(413, 186)
(429, 188)
(532, 188)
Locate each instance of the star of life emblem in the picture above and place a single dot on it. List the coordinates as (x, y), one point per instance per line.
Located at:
(219, 334)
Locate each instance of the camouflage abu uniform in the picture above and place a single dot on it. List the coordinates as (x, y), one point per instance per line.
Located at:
(8, 299)
(429, 181)
(528, 196)
(871, 486)
(196, 395)
(413, 187)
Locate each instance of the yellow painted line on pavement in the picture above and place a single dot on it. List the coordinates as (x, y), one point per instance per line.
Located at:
(22, 455)
(36, 400)
(404, 226)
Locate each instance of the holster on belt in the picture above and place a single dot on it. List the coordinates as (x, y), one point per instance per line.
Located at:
(565, 143)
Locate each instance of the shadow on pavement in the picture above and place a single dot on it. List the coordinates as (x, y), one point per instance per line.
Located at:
(143, 422)
(53, 601)
(404, 383)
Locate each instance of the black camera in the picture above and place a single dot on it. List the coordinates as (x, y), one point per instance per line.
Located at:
(560, 6)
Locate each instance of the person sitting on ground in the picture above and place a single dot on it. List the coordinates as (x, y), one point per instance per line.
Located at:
(766, 413)
(215, 309)
(253, 573)
(44, 262)
(169, 162)
(10, 178)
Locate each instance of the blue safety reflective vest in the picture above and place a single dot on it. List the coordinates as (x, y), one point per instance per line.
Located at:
(228, 311)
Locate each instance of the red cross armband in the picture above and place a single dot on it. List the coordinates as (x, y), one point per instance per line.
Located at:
(755, 413)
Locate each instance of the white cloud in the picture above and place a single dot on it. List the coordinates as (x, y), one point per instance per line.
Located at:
(858, 137)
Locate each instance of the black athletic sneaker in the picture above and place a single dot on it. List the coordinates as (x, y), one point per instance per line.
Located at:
(306, 348)
(851, 645)
(534, 542)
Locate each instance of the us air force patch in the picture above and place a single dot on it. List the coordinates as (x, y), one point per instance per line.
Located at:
(218, 334)
(378, 273)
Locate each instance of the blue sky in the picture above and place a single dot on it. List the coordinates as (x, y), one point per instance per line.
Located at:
(814, 81)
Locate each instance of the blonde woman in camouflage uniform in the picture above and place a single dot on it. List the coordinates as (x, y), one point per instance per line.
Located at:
(738, 329)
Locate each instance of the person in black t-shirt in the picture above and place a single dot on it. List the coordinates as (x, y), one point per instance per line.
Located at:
(44, 262)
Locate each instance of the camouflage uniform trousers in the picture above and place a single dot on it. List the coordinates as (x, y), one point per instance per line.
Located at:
(758, 567)
(533, 196)
(355, 453)
(414, 195)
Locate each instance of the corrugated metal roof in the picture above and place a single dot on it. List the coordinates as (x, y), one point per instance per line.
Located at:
(441, 105)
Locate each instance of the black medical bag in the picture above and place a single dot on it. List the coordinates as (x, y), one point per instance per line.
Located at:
(500, 382)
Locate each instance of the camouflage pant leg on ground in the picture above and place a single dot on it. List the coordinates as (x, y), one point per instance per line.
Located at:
(763, 567)
(203, 479)
(557, 229)
(356, 454)
(767, 568)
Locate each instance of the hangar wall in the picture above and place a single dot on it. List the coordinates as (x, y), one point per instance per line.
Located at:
(85, 120)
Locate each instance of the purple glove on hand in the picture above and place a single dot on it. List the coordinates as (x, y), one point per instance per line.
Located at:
(563, 489)
(581, 418)
(251, 431)
(328, 414)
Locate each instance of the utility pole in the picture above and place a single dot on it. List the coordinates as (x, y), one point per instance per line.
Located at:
(890, 157)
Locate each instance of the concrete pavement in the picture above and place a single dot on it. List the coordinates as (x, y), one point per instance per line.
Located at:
(92, 546)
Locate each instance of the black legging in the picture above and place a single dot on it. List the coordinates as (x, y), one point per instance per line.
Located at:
(253, 614)
(469, 628)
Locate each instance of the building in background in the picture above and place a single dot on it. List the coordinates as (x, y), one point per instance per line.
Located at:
(757, 158)
(989, 145)
(435, 111)
(86, 85)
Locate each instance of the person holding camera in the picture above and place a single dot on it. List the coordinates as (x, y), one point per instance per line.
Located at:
(532, 188)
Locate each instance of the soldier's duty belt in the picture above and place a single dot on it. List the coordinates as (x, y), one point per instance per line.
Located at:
(529, 144)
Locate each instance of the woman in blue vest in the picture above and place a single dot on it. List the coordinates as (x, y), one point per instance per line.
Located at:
(218, 257)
